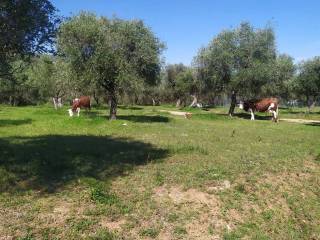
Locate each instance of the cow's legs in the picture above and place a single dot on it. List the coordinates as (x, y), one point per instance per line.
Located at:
(275, 116)
(70, 112)
(78, 110)
(252, 114)
(273, 112)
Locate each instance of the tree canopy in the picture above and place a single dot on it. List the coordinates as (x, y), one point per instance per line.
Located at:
(307, 83)
(120, 60)
(114, 53)
(245, 61)
(27, 27)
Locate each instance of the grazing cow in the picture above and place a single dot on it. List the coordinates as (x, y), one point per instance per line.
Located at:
(261, 105)
(78, 103)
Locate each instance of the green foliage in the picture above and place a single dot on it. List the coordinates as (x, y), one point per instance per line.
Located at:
(282, 72)
(214, 64)
(307, 83)
(185, 83)
(17, 89)
(27, 27)
(244, 60)
(115, 54)
(51, 76)
(179, 82)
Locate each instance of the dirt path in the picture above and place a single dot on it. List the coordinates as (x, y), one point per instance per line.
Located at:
(185, 114)
(304, 121)
(292, 120)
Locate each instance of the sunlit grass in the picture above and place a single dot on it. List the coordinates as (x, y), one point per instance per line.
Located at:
(74, 178)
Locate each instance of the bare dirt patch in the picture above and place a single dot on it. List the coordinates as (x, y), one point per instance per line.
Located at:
(112, 225)
(177, 113)
(61, 211)
(219, 186)
(269, 193)
(207, 205)
(194, 196)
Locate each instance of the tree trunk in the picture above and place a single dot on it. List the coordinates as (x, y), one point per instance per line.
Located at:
(113, 106)
(194, 101)
(311, 102)
(212, 100)
(233, 103)
(11, 100)
(55, 103)
(178, 102)
(96, 98)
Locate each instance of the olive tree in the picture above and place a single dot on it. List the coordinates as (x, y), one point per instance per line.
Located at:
(243, 61)
(179, 82)
(307, 82)
(111, 53)
(27, 27)
(282, 72)
(254, 58)
(186, 86)
(51, 76)
(214, 65)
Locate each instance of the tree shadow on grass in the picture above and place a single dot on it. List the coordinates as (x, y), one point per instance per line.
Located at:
(142, 119)
(130, 107)
(92, 114)
(14, 122)
(302, 113)
(315, 124)
(48, 162)
(256, 117)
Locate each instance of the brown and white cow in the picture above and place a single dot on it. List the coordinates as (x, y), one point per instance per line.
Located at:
(78, 103)
(261, 105)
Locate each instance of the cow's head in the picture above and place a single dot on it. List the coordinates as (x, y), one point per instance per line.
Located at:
(70, 112)
(241, 105)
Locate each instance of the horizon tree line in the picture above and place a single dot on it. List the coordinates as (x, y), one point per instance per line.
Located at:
(120, 62)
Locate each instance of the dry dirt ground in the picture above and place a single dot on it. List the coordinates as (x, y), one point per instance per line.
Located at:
(304, 121)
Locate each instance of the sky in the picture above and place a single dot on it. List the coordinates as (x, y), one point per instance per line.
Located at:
(186, 25)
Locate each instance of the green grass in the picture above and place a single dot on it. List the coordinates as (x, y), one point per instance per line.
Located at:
(153, 175)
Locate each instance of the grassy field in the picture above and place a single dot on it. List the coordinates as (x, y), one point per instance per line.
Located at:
(151, 175)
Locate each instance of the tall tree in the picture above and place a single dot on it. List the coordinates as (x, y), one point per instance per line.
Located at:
(307, 83)
(110, 52)
(186, 86)
(27, 27)
(51, 75)
(214, 65)
(170, 78)
(240, 60)
(281, 74)
(254, 58)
